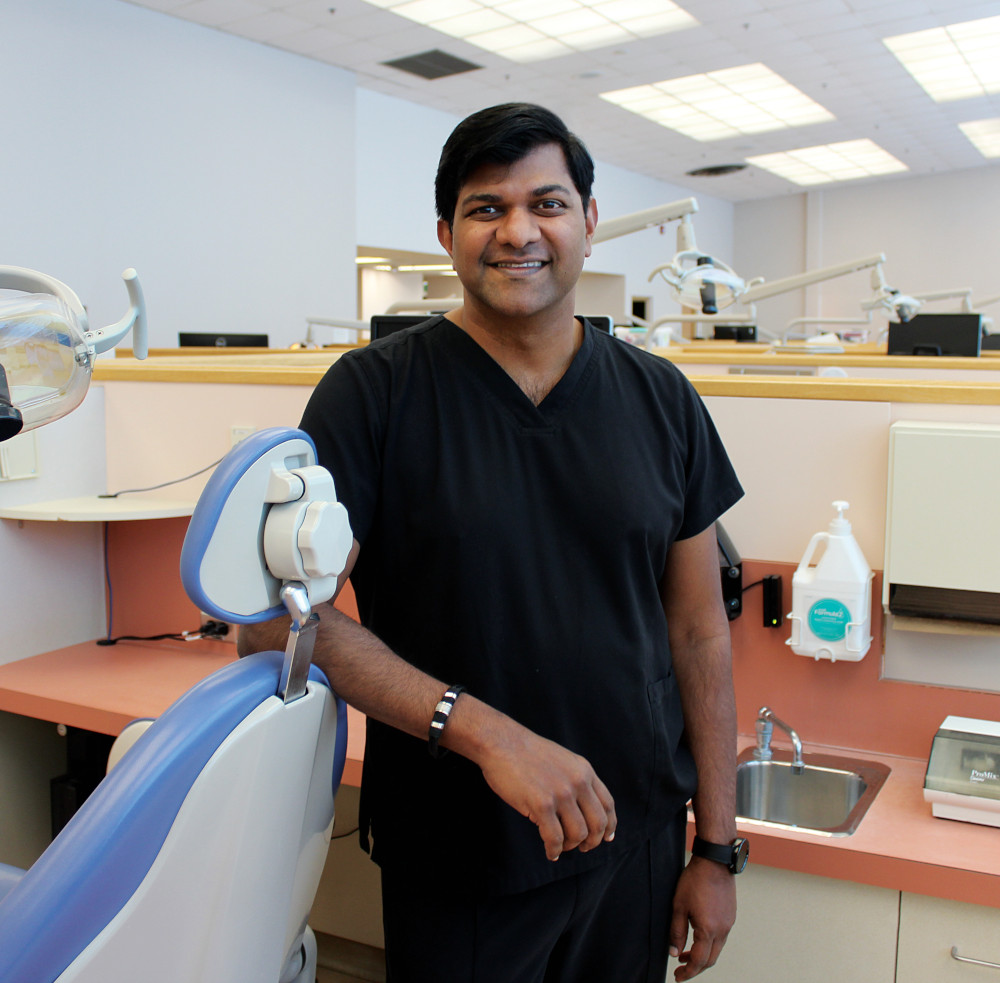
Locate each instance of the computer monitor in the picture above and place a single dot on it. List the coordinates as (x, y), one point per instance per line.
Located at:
(382, 325)
(206, 339)
(937, 334)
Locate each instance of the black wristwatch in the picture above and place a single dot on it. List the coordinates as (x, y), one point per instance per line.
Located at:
(733, 856)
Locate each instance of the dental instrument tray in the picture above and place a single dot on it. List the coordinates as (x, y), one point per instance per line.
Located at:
(963, 773)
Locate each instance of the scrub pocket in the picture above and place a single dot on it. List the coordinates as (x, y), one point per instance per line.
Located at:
(674, 778)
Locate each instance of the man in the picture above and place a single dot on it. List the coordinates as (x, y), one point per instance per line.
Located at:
(533, 506)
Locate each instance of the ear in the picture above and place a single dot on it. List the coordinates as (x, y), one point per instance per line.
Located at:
(591, 220)
(445, 236)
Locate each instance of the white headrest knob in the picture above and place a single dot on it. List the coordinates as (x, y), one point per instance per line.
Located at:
(324, 539)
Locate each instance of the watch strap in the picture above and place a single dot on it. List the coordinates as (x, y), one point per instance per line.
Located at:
(730, 855)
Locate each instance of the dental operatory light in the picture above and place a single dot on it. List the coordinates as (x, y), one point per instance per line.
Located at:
(700, 281)
(531, 30)
(47, 348)
(696, 278)
(844, 161)
(726, 103)
(902, 306)
(954, 62)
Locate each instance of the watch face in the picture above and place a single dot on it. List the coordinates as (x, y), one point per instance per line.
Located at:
(741, 854)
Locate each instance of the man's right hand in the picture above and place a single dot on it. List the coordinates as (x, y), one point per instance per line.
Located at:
(553, 787)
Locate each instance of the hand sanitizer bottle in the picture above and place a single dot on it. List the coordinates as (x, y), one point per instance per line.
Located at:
(831, 599)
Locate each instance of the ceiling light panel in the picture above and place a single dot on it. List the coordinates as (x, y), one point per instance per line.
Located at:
(845, 161)
(747, 99)
(955, 62)
(984, 134)
(524, 30)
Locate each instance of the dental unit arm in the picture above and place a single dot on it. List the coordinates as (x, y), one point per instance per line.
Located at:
(47, 348)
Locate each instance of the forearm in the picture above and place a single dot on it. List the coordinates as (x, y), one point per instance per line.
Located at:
(704, 674)
(553, 787)
(364, 671)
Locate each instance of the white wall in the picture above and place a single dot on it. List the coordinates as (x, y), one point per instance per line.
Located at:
(221, 169)
(398, 145)
(937, 232)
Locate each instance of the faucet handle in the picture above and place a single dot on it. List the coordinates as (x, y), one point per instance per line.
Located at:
(764, 728)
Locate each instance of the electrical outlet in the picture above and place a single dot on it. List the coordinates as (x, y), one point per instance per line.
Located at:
(19, 457)
(237, 434)
(207, 621)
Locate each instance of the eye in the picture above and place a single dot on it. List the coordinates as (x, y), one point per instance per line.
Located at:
(484, 211)
(551, 205)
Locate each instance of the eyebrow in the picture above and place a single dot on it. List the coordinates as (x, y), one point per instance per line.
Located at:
(488, 198)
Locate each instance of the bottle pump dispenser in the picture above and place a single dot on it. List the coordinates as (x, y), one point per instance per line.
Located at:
(831, 599)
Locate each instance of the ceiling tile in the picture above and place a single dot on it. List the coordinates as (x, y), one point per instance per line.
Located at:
(831, 50)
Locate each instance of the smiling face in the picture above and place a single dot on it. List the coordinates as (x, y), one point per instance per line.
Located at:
(519, 237)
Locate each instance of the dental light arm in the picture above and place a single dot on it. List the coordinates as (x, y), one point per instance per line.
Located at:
(134, 320)
(763, 290)
(47, 348)
(648, 218)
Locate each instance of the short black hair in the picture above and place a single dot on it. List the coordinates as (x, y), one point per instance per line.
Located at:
(504, 135)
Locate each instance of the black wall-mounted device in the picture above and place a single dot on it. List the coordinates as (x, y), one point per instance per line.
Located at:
(731, 568)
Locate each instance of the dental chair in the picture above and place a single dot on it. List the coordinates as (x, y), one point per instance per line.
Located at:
(198, 856)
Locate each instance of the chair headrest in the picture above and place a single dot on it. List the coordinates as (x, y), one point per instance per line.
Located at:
(267, 517)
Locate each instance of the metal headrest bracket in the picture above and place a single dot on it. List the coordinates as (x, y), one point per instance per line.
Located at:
(301, 639)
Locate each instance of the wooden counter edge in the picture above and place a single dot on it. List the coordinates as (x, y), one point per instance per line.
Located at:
(930, 391)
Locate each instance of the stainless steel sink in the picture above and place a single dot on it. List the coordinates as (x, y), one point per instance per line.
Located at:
(829, 794)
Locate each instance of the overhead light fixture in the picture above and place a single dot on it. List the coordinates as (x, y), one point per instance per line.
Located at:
(532, 30)
(727, 103)
(426, 268)
(955, 62)
(984, 134)
(830, 162)
(367, 260)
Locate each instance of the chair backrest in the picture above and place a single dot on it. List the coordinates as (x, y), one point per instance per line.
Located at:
(198, 856)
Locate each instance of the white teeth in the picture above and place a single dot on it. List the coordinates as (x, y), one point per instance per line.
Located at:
(535, 264)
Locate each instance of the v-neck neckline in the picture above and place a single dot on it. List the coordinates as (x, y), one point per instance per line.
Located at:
(513, 398)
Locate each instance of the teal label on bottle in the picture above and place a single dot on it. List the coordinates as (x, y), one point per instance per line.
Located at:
(828, 619)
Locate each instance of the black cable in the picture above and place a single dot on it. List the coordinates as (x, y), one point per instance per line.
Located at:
(129, 491)
(341, 836)
(141, 638)
(756, 583)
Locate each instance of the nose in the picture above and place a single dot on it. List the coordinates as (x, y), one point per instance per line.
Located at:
(518, 228)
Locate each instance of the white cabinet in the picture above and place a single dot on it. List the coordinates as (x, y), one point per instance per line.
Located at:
(807, 929)
(928, 930)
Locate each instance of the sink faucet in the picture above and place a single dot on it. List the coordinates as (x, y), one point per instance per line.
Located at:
(764, 726)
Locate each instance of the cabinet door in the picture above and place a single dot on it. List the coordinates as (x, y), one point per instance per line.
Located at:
(930, 927)
(807, 929)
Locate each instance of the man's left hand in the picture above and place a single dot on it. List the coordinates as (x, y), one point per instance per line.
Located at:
(706, 900)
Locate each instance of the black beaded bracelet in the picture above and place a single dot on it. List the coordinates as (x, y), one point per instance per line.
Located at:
(440, 718)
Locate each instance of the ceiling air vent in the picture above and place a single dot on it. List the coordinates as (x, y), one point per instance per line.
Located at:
(433, 64)
(716, 170)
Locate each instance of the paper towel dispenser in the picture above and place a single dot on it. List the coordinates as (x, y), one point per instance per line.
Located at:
(942, 530)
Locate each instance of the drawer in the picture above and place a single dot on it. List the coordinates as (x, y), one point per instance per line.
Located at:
(928, 930)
